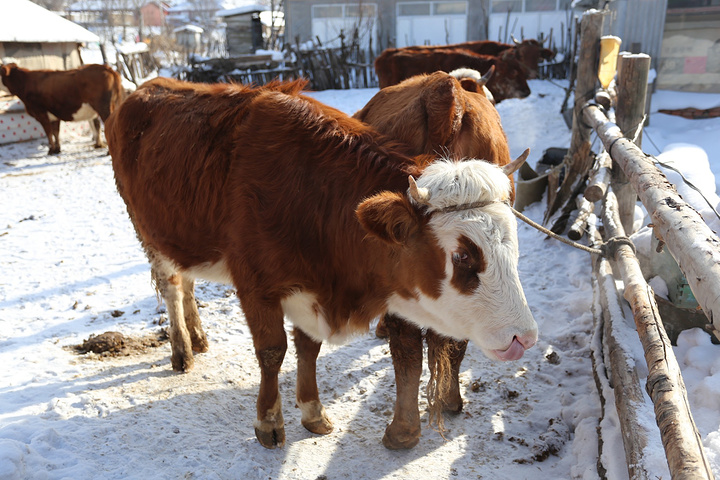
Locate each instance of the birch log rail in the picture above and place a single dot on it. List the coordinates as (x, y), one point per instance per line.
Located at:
(690, 241)
(680, 438)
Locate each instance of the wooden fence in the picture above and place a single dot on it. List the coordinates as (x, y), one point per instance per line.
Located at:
(343, 67)
(619, 174)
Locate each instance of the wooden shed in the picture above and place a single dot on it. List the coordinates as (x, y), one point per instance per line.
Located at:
(35, 38)
(244, 31)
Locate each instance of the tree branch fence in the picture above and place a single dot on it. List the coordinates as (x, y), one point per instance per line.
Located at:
(620, 174)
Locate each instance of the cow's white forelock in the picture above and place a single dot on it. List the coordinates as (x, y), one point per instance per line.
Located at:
(451, 183)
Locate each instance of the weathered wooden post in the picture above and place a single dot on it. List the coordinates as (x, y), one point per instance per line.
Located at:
(629, 114)
(578, 160)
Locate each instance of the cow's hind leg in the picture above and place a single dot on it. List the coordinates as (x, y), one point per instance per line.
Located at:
(170, 284)
(406, 348)
(444, 357)
(192, 317)
(314, 417)
(95, 128)
(266, 325)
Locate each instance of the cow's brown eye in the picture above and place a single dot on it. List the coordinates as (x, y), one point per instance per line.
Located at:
(461, 259)
(468, 262)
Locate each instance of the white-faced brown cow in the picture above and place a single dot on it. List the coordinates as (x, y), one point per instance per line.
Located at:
(432, 113)
(314, 216)
(68, 95)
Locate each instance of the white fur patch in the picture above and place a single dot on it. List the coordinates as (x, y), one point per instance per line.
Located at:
(304, 311)
(215, 272)
(85, 112)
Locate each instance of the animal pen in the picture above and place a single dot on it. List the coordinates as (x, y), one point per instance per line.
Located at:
(616, 177)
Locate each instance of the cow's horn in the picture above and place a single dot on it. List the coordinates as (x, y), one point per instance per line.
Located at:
(420, 195)
(488, 75)
(513, 166)
(515, 40)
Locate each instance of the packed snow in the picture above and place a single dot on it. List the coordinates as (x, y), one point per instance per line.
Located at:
(72, 267)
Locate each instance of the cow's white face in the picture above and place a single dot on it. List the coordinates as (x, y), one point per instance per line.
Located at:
(481, 297)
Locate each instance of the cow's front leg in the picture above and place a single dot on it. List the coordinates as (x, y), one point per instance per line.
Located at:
(406, 349)
(266, 326)
(444, 357)
(314, 417)
(44, 119)
(192, 317)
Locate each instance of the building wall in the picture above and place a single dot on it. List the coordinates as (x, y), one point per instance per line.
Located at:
(152, 15)
(36, 56)
(640, 25)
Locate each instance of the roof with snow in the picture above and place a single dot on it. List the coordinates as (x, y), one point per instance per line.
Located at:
(242, 10)
(24, 21)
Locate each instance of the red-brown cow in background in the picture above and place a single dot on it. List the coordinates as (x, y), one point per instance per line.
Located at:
(508, 81)
(314, 216)
(68, 95)
(448, 113)
(528, 52)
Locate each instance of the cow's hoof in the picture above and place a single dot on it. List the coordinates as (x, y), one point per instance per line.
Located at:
(182, 363)
(454, 406)
(400, 440)
(271, 438)
(322, 426)
(200, 345)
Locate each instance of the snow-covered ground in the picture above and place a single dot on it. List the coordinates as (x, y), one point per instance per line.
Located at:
(70, 266)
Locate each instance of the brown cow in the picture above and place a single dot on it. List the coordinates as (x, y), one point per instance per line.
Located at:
(68, 95)
(432, 113)
(528, 52)
(508, 81)
(314, 216)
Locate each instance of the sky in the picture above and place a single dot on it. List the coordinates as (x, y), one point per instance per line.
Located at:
(71, 267)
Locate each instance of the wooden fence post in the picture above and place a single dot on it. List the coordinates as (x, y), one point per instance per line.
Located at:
(578, 161)
(629, 113)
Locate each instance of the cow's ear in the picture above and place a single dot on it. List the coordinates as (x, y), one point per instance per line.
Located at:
(470, 85)
(4, 70)
(444, 116)
(389, 217)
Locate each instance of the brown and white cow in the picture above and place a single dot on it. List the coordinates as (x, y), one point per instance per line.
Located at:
(68, 95)
(314, 216)
(508, 81)
(432, 113)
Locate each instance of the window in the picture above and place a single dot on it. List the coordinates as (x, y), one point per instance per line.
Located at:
(499, 6)
(365, 10)
(327, 11)
(411, 9)
(539, 5)
(450, 8)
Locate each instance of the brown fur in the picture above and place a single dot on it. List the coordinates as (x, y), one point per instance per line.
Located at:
(291, 194)
(508, 81)
(62, 93)
(432, 113)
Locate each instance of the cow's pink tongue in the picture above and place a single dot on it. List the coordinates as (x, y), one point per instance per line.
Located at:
(514, 352)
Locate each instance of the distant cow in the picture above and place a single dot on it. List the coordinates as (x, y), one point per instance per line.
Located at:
(528, 52)
(508, 81)
(68, 95)
(314, 216)
(432, 113)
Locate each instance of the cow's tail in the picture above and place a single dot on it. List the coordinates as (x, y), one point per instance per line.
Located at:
(117, 94)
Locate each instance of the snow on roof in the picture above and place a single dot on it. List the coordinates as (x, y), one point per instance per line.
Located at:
(189, 28)
(242, 10)
(24, 21)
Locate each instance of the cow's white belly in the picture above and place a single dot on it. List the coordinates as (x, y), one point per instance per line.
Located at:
(303, 310)
(214, 272)
(85, 112)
